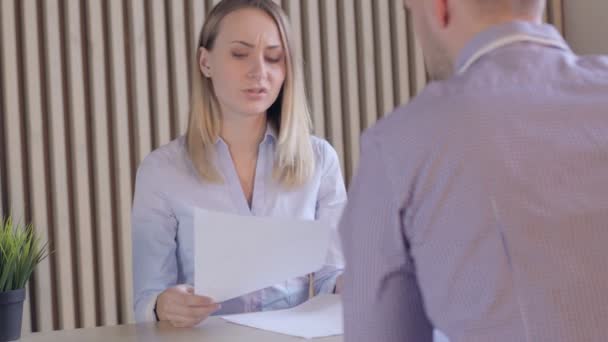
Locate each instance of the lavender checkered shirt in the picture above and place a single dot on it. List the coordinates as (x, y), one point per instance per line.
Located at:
(481, 208)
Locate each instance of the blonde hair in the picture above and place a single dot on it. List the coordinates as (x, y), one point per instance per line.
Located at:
(288, 115)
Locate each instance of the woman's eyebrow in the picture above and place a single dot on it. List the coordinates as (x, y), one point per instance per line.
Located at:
(243, 43)
(252, 45)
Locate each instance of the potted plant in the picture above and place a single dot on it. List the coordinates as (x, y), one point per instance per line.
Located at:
(20, 251)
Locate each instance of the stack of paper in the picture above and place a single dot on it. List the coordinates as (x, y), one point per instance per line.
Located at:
(319, 317)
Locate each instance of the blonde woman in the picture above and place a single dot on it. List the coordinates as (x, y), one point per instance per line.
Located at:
(247, 151)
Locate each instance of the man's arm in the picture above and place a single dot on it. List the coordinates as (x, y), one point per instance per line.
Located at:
(382, 301)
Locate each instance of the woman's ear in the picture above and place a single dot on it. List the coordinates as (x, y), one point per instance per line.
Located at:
(203, 62)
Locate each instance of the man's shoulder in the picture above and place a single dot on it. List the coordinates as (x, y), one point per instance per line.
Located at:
(423, 117)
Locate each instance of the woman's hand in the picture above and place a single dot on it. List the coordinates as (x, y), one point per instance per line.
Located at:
(182, 308)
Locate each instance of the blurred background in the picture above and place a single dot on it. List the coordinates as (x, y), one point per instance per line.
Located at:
(89, 87)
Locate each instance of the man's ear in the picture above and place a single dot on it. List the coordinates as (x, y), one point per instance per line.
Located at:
(203, 61)
(441, 12)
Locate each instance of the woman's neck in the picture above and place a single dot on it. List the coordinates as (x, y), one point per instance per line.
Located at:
(243, 134)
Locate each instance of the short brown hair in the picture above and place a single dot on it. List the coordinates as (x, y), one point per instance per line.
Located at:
(511, 6)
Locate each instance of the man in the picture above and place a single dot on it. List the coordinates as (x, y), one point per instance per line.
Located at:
(481, 208)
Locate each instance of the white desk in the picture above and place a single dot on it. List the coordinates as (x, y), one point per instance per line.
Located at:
(213, 330)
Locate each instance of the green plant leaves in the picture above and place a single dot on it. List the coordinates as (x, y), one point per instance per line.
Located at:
(20, 252)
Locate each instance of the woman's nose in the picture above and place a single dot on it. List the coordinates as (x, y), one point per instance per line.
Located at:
(257, 68)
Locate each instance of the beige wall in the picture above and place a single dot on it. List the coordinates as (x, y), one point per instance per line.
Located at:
(586, 27)
(88, 88)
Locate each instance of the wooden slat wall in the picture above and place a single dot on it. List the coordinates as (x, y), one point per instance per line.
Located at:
(120, 137)
(349, 80)
(14, 166)
(81, 204)
(88, 88)
(585, 23)
(37, 176)
(61, 221)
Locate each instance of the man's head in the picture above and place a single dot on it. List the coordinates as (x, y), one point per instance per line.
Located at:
(443, 27)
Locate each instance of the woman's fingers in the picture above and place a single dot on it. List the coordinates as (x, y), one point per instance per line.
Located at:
(182, 307)
(194, 312)
(182, 321)
(195, 300)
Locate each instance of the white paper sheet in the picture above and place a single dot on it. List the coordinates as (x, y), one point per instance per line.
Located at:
(236, 255)
(319, 317)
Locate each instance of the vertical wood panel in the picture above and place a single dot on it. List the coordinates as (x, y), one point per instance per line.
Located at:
(401, 84)
(3, 177)
(78, 117)
(103, 215)
(140, 83)
(331, 64)
(367, 62)
(3, 192)
(197, 18)
(416, 62)
(121, 171)
(208, 6)
(12, 122)
(37, 175)
(294, 12)
(158, 72)
(384, 72)
(13, 112)
(349, 83)
(196, 11)
(556, 14)
(313, 64)
(178, 67)
(62, 245)
(585, 26)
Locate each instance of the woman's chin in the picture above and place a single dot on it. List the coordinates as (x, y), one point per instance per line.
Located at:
(254, 110)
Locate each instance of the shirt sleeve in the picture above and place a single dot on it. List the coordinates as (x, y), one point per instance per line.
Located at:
(330, 203)
(382, 301)
(154, 230)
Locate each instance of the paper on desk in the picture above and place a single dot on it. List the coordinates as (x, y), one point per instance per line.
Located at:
(236, 255)
(319, 317)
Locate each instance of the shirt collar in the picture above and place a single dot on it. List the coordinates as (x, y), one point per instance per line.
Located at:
(502, 31)
(271, 133)
(269, 136)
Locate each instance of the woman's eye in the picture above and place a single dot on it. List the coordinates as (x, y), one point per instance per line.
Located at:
(274, 59)
(239, 55)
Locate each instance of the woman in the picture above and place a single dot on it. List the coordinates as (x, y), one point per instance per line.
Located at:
(247, 151)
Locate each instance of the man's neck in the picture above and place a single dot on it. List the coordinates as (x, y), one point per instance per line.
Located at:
(481, 26)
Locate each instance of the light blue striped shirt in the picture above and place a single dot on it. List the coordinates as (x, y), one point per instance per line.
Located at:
(168, 187)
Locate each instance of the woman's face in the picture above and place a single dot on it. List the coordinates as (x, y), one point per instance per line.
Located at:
(246, 64)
